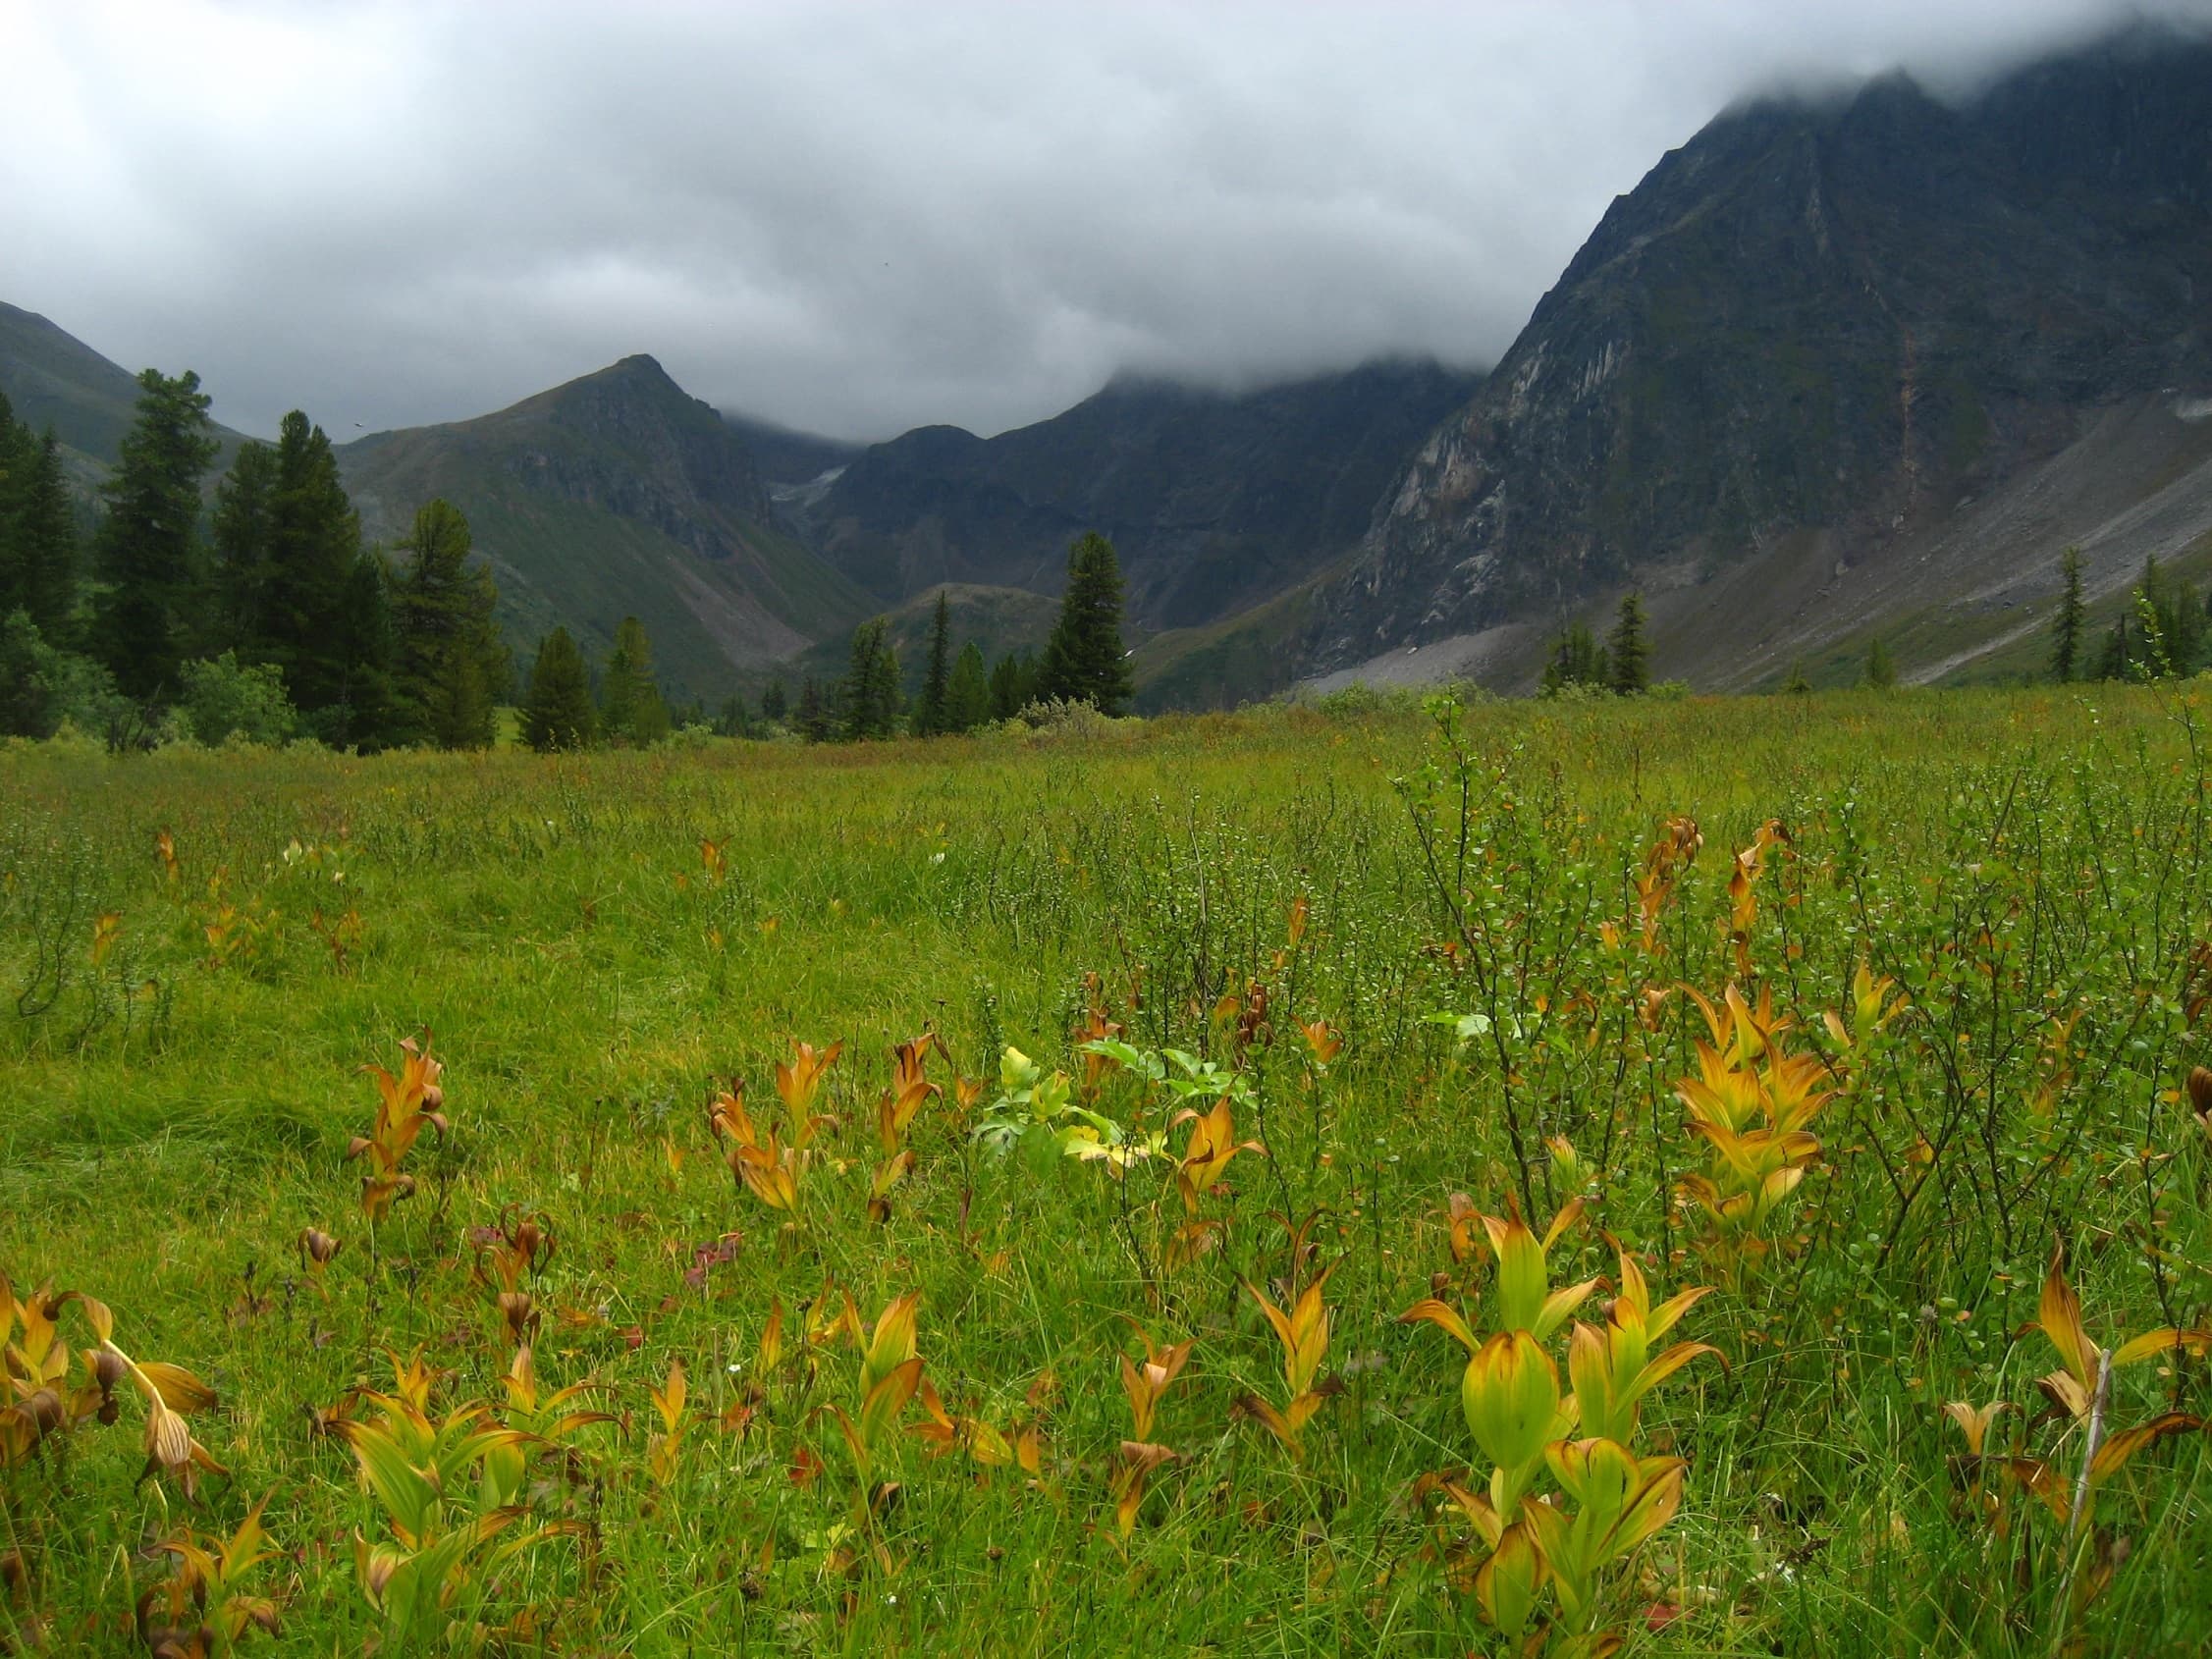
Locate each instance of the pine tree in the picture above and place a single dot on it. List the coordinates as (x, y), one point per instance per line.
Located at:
(1797, 685)
(37, 533)
(734, 719)
(148, 546)
(364, 649)
(871, 696)
(1881, 673)
(1084, 661)
(929, 712)
(2174, 627)
(14, 471)
(1013, 686)
(2112, 660)
(1576, 660)
(774, 703)
(314, 537)
(2073, 617)
(241, 535)
(630, 702)
(811, 717)
(967, 693)
(452, 665)
(1628, 668)
(558, 713)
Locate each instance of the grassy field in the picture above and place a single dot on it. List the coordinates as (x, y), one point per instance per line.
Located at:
(1092, 1349)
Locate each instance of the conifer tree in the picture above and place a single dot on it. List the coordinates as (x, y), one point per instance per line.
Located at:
(38, 531)
(2112, 660)
(630, 707)
(364, 650)
(452, 666)
(1881, 673)
(1576, 660)
(929, 712)
(1014, 684)
(2073, 617)
(315, 538)
(2174, 622)
(870, 694)
(774, 703)
(240, 529)
(558, 713)
(1628, 666)
(1084, 661)
(967, 692)
(811, 717)
(148, 545)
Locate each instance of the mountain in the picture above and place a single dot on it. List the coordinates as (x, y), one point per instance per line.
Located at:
(1835, 367)
(786, 456)
(1214, 501)
(53, 379)
(616, 495)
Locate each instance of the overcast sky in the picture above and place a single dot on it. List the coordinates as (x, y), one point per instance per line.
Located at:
(858, 218)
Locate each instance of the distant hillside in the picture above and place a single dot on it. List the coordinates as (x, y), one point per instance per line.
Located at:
(617, 494)
(53, 379)
(1834, 369)
(1214, 500)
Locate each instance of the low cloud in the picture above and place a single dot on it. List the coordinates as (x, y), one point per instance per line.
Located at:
(860, 218)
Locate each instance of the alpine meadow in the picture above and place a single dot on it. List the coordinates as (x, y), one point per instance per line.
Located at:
(1489, 935)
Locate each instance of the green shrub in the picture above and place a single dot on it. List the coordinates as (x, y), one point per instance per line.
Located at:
(225, 699)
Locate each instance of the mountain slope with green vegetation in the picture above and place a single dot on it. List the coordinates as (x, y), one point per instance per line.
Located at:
(55, 380)
(610, 496)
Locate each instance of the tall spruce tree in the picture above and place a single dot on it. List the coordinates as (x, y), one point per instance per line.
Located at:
(1576, 660)
(452, 666)
(241, 532)
(930, 711)
(810, 716)
(148, 545)
(1084, 661)
(15, 470)
(871, 695)
(967, 692)
(314, 540)
(775, 702)
(2172, 620)
(2073, 617)
(2112, 659)
(38, 531)
(558, 713)
(630, 707)
(364, 651)
(1014, 684)
(1628, 662)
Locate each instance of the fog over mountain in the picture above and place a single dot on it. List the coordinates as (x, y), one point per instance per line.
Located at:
(861, 218)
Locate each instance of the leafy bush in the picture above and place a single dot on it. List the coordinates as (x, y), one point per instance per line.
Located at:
(225, 699)
(42, 689)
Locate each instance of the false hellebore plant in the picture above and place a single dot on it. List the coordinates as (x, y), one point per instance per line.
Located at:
(1574, 1542)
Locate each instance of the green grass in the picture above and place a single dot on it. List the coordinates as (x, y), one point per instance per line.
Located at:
(2013, 860)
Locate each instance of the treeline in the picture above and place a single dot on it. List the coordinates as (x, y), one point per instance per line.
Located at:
(1082, 662)
(2164, 629)
(1621, 665)
(265, 618)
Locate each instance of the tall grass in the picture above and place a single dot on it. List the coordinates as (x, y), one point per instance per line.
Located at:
(2028, 870)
